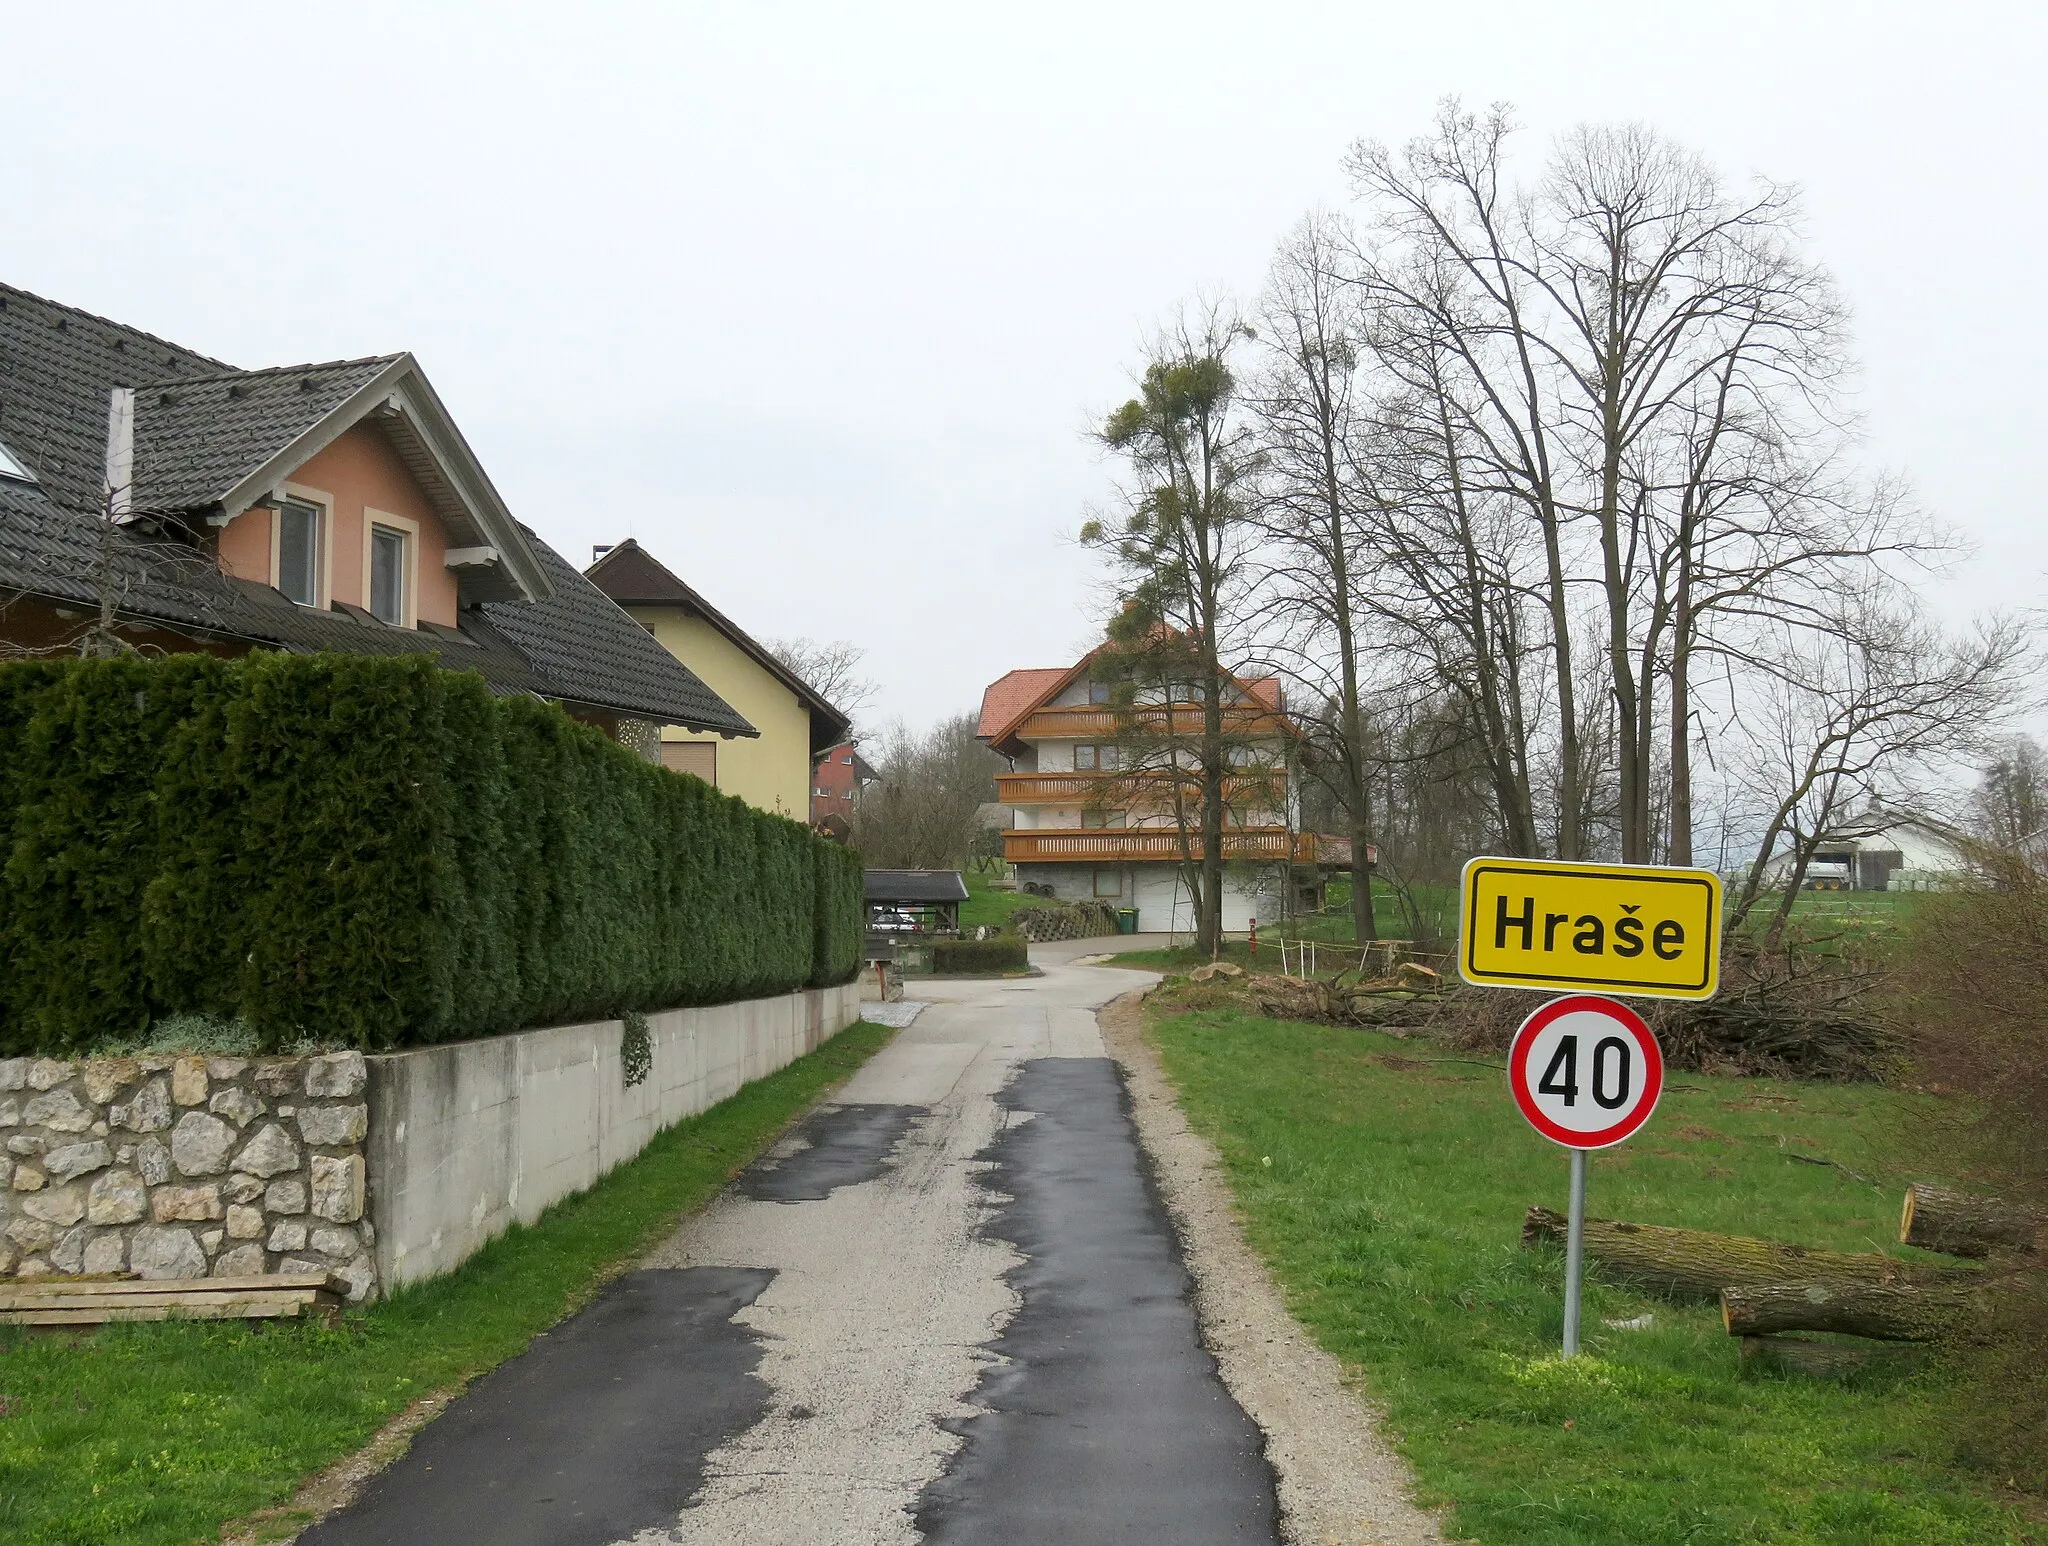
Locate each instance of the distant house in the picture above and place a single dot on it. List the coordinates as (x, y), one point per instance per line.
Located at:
(329, 506)
(836, 785)
(1093, 819)
(1904, 854)
(796, 726)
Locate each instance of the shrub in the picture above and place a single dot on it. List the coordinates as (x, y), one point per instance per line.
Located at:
(373, 852)
(1973, 995)
(1004, 953)
(841, 915)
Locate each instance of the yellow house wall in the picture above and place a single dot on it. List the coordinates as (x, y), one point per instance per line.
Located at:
(773, 772)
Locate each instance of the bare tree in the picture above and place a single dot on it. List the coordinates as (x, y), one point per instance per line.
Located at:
(830, 669)
(2010, 803)
(1316, 511)
(1642, 368)
(1853, 721)
(922, 815)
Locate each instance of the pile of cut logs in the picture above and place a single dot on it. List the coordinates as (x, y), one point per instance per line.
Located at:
(1767, 1289)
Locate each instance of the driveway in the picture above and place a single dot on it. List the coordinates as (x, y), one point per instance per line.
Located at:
(948, 1308)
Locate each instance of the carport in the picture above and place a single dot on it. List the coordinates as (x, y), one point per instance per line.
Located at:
(932, 897)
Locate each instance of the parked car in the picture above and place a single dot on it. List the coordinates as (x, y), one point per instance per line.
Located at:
(890, 920)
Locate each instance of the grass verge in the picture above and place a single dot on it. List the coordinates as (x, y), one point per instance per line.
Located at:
(1384, 1188)
(156, 1435)
(984, 905)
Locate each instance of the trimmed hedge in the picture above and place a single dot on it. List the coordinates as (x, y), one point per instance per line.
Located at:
(1004, 953)
(373, 852)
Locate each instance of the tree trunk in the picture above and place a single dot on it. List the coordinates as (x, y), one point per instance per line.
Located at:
(1890, 1312)
(1821, 1360)
(1960, 1224)
(1696, 1263)
(1681, 712)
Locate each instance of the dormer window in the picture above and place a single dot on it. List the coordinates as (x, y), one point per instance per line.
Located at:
(10, 468)
(298, 551)
(387, 575)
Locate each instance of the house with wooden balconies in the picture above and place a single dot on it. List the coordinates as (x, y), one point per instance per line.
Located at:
(1105, 805)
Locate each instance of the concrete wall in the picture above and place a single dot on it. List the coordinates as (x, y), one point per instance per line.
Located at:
(467, 1138)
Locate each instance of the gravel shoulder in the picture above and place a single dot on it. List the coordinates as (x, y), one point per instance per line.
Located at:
(1340, 1483)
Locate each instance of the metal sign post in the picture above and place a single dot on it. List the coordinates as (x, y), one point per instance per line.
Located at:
(1575, 1254)
(1586, 1073)
(1585, 1070)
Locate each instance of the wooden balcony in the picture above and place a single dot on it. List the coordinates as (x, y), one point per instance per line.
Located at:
(1124, 845)
(1080, 721)
(1140, 789)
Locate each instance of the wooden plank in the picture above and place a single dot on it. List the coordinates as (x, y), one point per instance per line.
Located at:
(242, 1310)
(154, 1286)
(82, 1300)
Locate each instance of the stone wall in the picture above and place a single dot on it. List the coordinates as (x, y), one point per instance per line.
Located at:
(185, 1167)
(1068, 920)
(384, 1169)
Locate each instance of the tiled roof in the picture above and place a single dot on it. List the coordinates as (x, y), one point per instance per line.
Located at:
(57, 365)
(1010, 698)
(634, 577)
(915, 886)
(592, 652)
(202, 426)
(197, 437)
(1008, 701)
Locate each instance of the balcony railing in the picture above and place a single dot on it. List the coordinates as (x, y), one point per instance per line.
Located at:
(1146, 788)
(1121, 845)
(1082, 720)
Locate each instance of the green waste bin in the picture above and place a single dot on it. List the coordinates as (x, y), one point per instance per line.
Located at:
(1127, 920)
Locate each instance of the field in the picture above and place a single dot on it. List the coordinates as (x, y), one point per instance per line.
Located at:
(1384, 1185)
(155, 1435)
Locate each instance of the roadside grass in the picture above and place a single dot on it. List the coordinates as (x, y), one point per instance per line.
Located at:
(991, 907)
(1384, 1187)
(155, 1435)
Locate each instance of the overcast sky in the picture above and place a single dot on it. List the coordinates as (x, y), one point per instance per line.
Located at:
(819, 302)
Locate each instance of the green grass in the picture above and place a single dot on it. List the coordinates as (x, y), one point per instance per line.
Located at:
(1184, 958)
(154, 1435)
(1384, 1187)
(994, 908)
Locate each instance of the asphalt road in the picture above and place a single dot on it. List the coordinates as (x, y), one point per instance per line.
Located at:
(948, 1308)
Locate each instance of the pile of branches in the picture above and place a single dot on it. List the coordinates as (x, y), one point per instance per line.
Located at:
(1804, 1009)
(1409, 1000)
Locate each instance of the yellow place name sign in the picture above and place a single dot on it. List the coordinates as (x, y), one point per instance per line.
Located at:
(1604, 928)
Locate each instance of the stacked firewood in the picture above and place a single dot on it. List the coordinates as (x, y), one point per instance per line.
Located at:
(1767, 1289)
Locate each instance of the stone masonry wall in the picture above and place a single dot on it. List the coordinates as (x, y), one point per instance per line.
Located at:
(185, 1167)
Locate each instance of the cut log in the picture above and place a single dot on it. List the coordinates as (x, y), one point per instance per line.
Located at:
(1962, 1224)
(1889, 1312)
(1697, 1263)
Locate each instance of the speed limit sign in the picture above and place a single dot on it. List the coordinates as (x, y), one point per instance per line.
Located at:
(1586, 1071)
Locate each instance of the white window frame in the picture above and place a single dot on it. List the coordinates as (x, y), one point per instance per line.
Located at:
(409, 586)
(323, 582)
